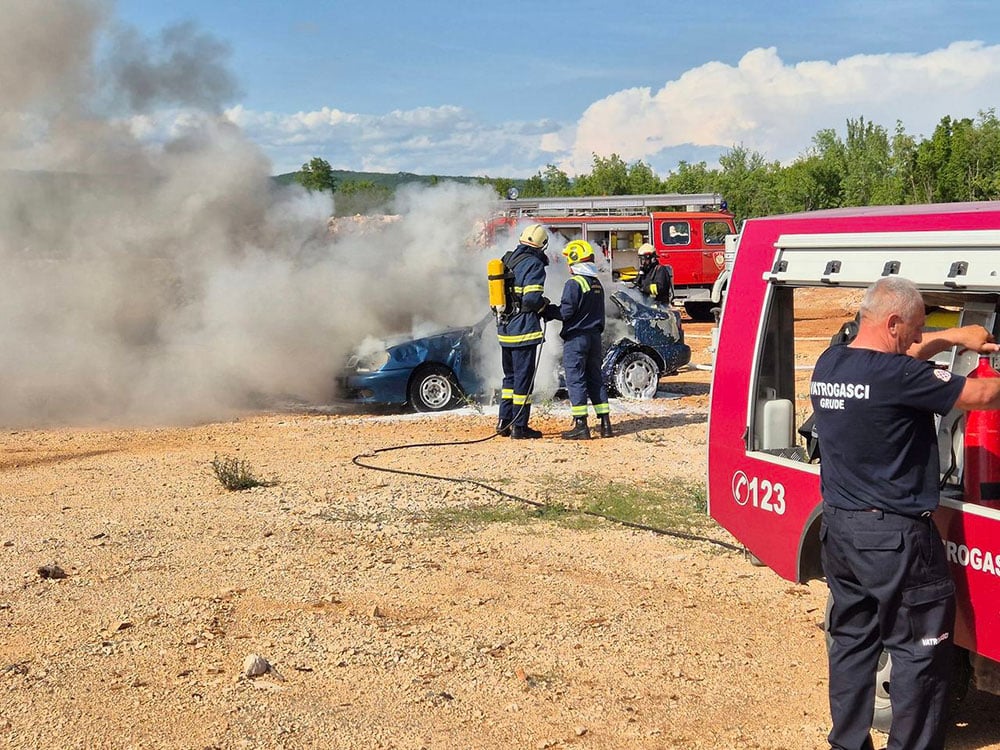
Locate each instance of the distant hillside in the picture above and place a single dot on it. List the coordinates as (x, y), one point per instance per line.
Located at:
(391, 181)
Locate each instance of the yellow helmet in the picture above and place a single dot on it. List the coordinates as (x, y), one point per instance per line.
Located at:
(534, 236)
(578, 251)
(646, 249)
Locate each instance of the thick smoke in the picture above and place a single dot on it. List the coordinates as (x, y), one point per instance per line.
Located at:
(172, 282)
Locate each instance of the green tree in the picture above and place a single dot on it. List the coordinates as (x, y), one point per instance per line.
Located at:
(317, 175)
(556, 182)
(749, 183)
(503, 185)
(549, 183)
(534, 186)
(691, 178)
(361, 197)
(985, 178)
(610, 177)
(642, 180)
(868, 161)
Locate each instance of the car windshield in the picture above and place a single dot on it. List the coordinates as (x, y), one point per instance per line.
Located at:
(635, 307)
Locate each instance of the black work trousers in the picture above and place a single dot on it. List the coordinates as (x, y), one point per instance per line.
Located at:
(891, 588)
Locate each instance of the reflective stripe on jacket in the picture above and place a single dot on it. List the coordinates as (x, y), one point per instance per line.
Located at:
(525, 328)
(582, 306)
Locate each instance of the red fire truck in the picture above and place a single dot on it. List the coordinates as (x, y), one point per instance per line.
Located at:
(763, 482)
(687, 230)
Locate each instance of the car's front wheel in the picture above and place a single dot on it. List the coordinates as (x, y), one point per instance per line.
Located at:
(636, 376)
(434, 388)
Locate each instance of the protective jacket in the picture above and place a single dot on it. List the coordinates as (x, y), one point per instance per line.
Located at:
(524, 327)
(582, 307)
(657, 281)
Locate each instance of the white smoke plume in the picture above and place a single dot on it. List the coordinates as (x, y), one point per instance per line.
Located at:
(171, 282)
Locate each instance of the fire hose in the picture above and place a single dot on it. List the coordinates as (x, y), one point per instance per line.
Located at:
(357, 461)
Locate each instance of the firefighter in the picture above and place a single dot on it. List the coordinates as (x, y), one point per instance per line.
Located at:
(520, 333)
(882, 555)
(582, 314)
(654, 280)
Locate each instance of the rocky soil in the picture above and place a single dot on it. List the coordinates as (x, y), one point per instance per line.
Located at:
(144, 606)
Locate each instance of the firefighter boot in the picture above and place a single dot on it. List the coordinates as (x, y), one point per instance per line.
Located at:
(606, 430)
(523, 433)
(579, 431)
(503, 427)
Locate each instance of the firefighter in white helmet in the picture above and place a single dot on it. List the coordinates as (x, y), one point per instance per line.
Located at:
(654, 280)
(520, 332)
(582, 313)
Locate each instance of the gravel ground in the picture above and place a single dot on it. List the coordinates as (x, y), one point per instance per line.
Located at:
(391, 611)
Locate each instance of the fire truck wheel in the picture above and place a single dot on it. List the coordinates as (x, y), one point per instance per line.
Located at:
(636, 376)
(434, 388)
(700, 312)
(960, 678)
(882, 719)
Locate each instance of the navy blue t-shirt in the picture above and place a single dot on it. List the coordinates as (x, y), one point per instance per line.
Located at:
(875, 423)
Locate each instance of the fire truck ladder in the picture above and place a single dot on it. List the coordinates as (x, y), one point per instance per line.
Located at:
(611, 205)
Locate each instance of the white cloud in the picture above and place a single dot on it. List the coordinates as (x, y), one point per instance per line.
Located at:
(445, 140)
(776, 108)
(761, 102)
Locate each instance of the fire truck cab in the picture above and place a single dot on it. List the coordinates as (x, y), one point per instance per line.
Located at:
(687, 230)
(792, 272)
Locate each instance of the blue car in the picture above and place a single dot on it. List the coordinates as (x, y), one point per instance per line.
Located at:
(633, 365)
(438, 372)
(431, 373)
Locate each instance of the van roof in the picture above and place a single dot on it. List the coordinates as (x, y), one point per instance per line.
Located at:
(922, 209)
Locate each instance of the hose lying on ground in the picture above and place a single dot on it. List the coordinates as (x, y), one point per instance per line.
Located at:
(517, 498)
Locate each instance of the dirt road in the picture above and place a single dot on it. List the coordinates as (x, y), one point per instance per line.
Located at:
(394, 611)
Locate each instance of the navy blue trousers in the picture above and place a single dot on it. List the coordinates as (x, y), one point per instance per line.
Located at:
(518, 376)
(891, 588)
(582, 370)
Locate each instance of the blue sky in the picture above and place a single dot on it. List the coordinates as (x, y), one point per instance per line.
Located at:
(505, 88)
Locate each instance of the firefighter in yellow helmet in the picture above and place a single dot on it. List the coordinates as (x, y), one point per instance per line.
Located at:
(520, 332)
(654, 280)
(582, 313)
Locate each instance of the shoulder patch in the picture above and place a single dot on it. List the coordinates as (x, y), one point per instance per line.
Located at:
(942, 375)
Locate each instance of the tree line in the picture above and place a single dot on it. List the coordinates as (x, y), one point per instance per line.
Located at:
(960, 161)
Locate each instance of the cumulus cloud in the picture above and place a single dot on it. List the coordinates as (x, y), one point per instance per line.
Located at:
(429, 140)
(761, 102)
(776, 108)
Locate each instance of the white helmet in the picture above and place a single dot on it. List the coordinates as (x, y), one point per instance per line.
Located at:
(534, 235)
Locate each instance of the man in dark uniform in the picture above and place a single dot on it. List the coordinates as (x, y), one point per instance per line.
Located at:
(521, 332)
(875, 400)
(582, 314)
(654, 280)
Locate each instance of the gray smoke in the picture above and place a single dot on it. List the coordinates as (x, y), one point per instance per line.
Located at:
(171, 281)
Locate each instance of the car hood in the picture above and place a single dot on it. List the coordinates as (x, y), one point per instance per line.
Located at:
(445, 333)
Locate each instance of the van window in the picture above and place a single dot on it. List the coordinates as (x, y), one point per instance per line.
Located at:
(798, 327)
(715, 232)
(675, 233)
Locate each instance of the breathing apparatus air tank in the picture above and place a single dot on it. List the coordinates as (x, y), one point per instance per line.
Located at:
(496, 274)
(981, 472)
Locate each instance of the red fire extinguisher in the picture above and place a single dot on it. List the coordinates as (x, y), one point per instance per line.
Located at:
(981, 472)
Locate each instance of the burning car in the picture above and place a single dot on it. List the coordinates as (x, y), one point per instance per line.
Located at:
(439, 371)
(633, 365)
(429, 373)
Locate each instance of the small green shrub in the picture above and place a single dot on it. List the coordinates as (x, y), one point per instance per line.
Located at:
(236, 475)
